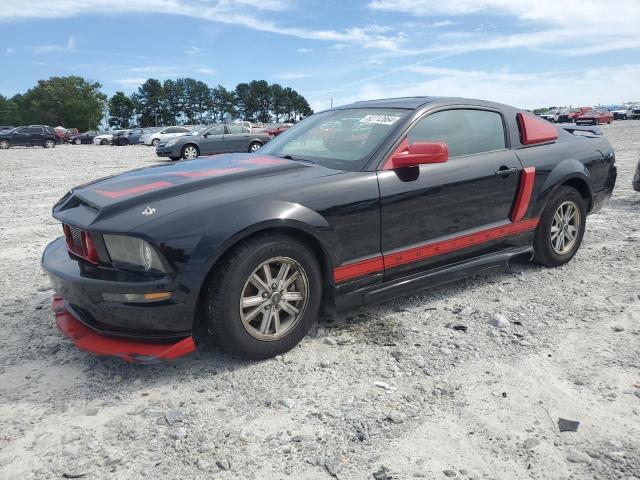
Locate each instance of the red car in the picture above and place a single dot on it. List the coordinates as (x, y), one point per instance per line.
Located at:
(594, 117)
(572, 115)
(275, 131)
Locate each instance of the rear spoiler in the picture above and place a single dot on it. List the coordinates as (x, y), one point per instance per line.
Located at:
(583, 130)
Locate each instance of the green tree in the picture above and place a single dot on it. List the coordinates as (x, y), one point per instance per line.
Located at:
(9, 111)
(224, 104)
(197, 101)
(173, 101)
(67, 101)
(150, 104)
(121, 110)
(277, 101)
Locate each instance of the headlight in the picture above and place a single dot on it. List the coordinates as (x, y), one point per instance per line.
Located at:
(170, 143)
(133, 253)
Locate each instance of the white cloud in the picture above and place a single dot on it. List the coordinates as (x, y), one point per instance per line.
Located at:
(530, 90)
(592, 25)
(69, 47)
(9, 50)
(193, 50)
(293, 75)
(131, 82)
(305, 50)
(205, 71)
(231, 12)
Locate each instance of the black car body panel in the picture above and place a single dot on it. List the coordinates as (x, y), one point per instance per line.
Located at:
(376, 231)
(83, 138)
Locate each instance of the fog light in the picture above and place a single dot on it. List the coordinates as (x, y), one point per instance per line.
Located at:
(136, 297)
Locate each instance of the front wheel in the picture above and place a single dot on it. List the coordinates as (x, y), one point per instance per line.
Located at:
(254, 147)
(48, 143)
(263, 298)
(155, 142)
(189, 152)
(104, 141)
(561, 228)
(77, 141)
(4, 144)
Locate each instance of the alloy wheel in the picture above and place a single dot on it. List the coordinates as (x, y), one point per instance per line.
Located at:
(274, 298)
(4, 144)
(190, 152)
(565, 227)
(49, 144)
(77, 141)
(254, 147)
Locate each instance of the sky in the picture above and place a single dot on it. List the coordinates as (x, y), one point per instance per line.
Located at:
(520, 52)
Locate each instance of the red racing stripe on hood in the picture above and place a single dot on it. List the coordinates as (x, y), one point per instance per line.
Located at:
(210, 173)
(264, 161)
(133, 190)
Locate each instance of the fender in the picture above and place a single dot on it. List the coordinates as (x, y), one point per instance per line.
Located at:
(565, 171)
(244, 222)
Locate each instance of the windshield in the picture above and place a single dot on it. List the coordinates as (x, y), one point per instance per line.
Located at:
(197, 130)
(339, 139)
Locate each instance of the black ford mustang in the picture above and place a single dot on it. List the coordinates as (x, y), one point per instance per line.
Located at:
(353, 205)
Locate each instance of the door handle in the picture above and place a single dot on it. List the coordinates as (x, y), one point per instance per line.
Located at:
(505, 171)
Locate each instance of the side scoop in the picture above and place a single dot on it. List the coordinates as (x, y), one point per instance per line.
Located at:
(129, 350)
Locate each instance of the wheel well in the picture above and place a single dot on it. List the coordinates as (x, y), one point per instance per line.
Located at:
(582, 188)
(309, 240)
(189, 144)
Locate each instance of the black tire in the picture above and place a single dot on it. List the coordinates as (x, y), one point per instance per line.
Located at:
(221, 321)
(183, 153)
(4, 144)
(77, 141)
(544, 252)
(48, 143)
(155, 142)
(104, 141)
(254, 147)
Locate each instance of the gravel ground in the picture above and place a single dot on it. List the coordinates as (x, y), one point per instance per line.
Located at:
(398, 390)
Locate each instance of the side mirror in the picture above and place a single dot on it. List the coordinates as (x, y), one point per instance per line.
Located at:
(421, 153)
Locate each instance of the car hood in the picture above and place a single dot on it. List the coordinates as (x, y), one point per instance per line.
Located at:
(224, 176)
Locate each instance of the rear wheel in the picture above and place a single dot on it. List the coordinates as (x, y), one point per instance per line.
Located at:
(77, 141)
(104, 141)
(155, 142)
(561, 228)
(264, 297)
(4, 144)
(190, 152)
(48, 143)
(254, 147)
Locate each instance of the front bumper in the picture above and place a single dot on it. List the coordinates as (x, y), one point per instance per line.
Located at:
(163, 151)
(132, 351)
(84, 286)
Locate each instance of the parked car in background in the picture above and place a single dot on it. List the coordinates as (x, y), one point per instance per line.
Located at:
(551, 115)
(276, 130)
(105, 138)
(212, 139)
(132, 136)
(572, 114)
(635, 112)
(165, 133)
(6, 127)
(636, 178)
(595, 117)
(80, 138)
(31, 136)
(622, 114)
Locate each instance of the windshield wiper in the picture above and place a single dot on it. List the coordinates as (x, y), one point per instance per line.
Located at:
(295, 159)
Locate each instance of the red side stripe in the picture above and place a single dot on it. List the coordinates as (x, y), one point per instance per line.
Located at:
(264, 161)
(402, 257)
(358, 269)
(523, 197)
(210, 173)
(134, 190)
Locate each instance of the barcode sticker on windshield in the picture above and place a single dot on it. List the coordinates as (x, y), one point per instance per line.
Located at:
(381, 119)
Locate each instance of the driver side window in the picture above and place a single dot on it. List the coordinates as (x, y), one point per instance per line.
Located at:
(465, 131)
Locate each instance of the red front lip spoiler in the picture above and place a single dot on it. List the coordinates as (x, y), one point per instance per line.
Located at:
(129, 350)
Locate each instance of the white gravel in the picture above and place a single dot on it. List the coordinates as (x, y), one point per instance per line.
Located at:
(392, 391)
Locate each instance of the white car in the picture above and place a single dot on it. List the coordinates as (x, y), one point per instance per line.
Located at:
(166, 133)
(104, 139)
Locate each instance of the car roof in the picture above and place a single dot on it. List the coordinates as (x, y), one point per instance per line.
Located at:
(413, 103)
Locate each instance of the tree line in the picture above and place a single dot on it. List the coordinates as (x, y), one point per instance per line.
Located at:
(190, 101)
(76, 102)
